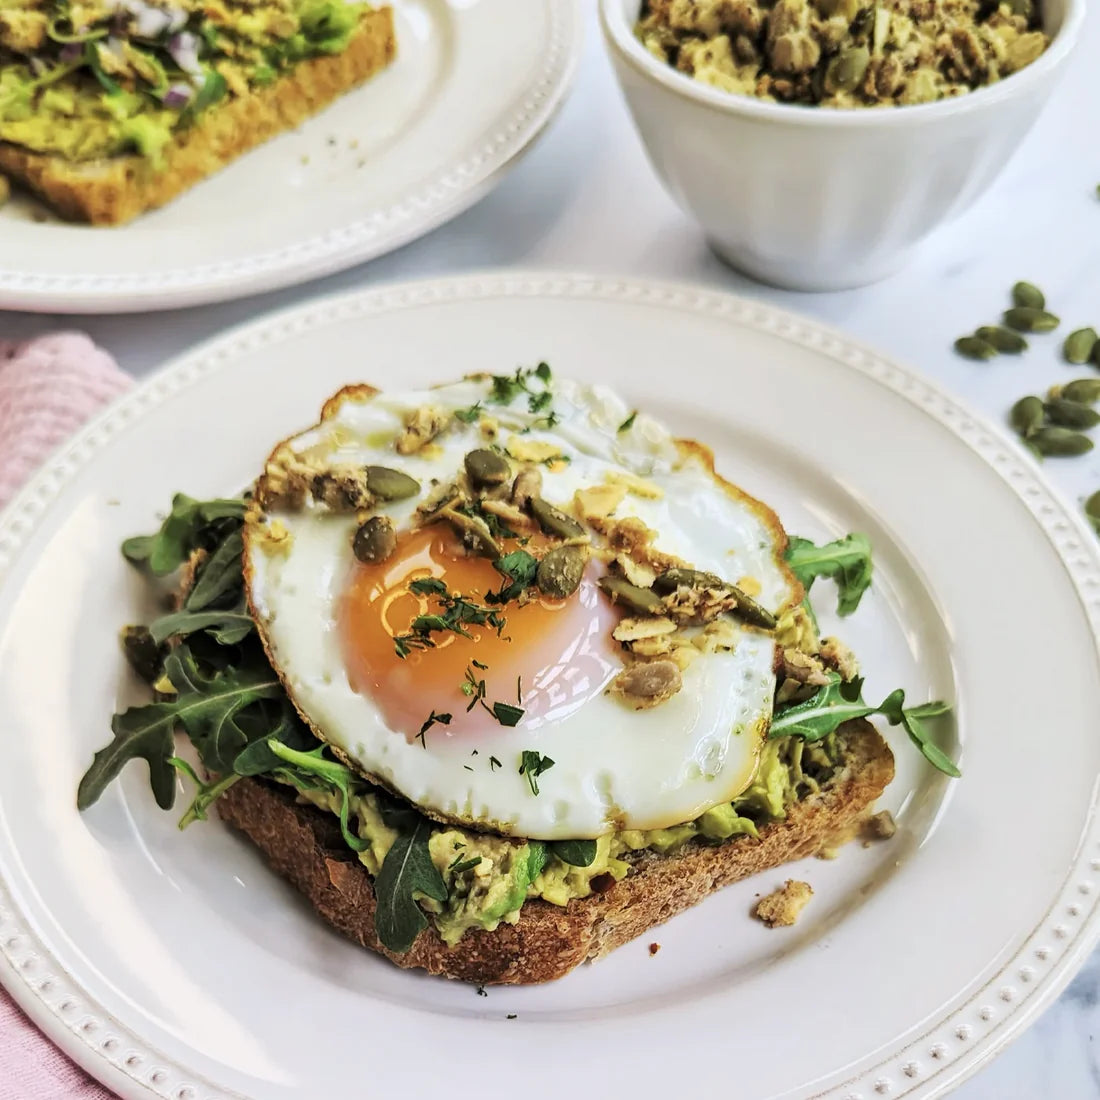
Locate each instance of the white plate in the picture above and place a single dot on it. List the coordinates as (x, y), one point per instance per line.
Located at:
(177, 964)
(473, 84)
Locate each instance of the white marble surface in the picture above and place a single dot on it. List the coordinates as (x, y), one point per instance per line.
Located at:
(584, 199)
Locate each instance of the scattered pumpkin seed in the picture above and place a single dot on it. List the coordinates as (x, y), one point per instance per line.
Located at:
(1029, 296)
(1003, 339)
(528, 484)
(671, 579)
(1092, 510)
(1030, 319)
(1027, 415)
(560, 572)
(1079, 345)
(847, 69)
(486, 468)
(751, 611)
(553, 520)
(1085, 391)
(387, 484)
(973, 347)
(1096, 354)
(647, 683)
(1071, 414)
(375, 540)
(631, 596)
(1060, 442)
(474, 532)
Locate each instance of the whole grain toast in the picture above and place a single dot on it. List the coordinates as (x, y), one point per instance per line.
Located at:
(115, 190)
(303, 844)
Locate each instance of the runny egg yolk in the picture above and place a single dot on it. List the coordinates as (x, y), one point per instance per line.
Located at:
(549, 657)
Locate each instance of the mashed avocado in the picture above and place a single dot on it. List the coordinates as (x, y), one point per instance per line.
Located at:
(97, 81)
(489, 877)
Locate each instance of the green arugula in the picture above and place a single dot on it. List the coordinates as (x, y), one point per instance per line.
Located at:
(536, 859)
(519, 569)
(228, 626)
(190, 525)
(406, 873)
(577, 853)
(207, 792)
(308, 767)
(533, 764)
(841, 701)
(847, 561)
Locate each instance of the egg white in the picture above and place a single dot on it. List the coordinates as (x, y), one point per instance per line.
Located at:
(613, 767)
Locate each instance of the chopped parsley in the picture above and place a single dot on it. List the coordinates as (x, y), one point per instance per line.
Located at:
(628, 423)
(468, 416)
(427, 586)
(478, 664)
(474, 690)
(431, 720)
(456, 612)
(519, 568)
(533, 764)
(494, 763)
(461, 864)
(506, 714)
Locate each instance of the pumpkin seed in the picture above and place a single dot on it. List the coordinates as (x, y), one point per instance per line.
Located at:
(528, 484)
(1079, 345)
(973, 347)
(847, 69)
(553, 520)
(671, 579)
(145, 656)
(474, 532)
(486, 468)
(1092, 510)
(1022, 7)
(1027, 415)
(1071, 414)
(1029, 296)
(1030, 319)
(387, 484)
(751, 611)
(642, 600)
(1003, 339)
(1060, 442)
(560, 572)
(1096, 354)
(647, 683)
(375, 540)
(1085, 391)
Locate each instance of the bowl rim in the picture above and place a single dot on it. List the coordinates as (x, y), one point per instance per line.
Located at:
(618, 34)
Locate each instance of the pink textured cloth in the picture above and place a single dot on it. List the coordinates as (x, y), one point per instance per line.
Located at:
(48, 388)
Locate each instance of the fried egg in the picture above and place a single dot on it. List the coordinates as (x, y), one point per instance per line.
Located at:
(435, 724)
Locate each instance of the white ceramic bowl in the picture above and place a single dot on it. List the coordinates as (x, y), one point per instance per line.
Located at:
(816, 198)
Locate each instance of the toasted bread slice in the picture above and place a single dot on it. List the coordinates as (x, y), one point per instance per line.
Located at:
(115, 190)
(303, 845)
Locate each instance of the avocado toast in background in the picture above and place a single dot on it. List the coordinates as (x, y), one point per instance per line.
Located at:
(113, 107)
(344, 655)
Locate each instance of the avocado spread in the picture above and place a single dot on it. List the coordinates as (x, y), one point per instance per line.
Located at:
(489, 877)
(85, 80)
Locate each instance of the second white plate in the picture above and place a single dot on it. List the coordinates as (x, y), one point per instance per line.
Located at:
(473, 84)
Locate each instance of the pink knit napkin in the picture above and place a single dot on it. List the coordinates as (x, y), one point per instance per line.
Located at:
(48, 388)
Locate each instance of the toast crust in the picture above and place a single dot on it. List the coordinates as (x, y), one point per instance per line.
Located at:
(303, 845)
(116, 190)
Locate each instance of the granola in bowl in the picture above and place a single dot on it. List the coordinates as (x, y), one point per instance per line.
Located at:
(844, 53)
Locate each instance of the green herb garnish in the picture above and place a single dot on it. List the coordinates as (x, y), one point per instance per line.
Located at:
(461, 864)
(519, 569)
(431, 720)
(577, 853)
(508, 715)
(533, 764)
(628, 423)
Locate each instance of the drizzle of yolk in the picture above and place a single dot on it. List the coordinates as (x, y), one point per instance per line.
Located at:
(549, 658)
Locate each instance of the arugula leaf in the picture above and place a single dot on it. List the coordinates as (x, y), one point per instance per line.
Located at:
(846, 560)
(838, 702)
(229, 626)
(181, 532)
(577, 853)
(533, 764)
(406, 871)
(221, 574)
(333, 774)
(141, 733)
(536, 859)
(519, 567)
(207, 793)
